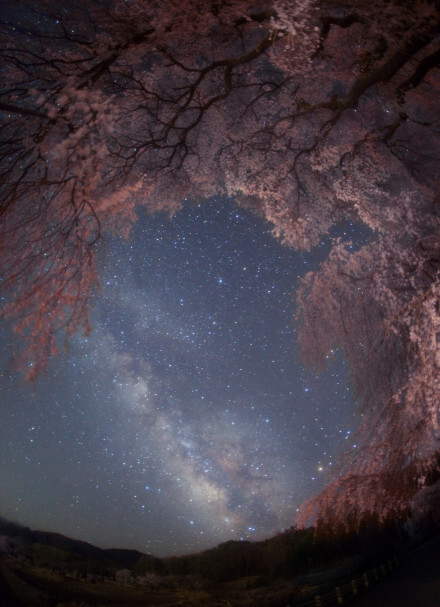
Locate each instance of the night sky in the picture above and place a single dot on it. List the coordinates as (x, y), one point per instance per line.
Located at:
(185, 419)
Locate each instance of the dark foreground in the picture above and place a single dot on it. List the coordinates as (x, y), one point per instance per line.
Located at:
(23, 585)
(414, 583)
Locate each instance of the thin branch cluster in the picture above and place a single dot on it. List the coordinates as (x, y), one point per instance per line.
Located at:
(310, 113)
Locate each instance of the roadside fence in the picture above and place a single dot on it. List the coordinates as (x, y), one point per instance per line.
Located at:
(344, 593)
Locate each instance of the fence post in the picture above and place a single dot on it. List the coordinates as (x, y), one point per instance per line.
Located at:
(365, 576)
(318, 602)
(339, 595)
(354, 586)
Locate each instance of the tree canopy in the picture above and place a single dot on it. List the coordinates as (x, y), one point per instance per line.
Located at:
(308, 113)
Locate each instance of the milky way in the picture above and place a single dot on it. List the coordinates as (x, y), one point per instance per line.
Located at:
(185, 418)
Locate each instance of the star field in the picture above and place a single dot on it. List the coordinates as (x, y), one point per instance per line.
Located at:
(185, 418)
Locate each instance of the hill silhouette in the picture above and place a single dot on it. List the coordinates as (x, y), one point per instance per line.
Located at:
(46, 568)
(25, 537)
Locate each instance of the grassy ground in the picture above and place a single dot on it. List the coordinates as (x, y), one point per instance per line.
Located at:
(38, 587)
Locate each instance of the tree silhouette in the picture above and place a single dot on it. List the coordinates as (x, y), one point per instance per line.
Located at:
(308, 113)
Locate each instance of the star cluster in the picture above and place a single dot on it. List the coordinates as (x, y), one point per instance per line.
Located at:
(186, 418)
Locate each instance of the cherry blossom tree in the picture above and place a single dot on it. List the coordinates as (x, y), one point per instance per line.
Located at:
(310, 113)
(381, 307)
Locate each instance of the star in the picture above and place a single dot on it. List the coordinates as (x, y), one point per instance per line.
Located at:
(185, 402)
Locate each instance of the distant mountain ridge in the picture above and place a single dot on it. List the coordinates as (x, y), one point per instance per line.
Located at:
(293, 553)
(24, 536)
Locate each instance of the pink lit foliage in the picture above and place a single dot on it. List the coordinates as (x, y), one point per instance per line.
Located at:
(310, 113)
